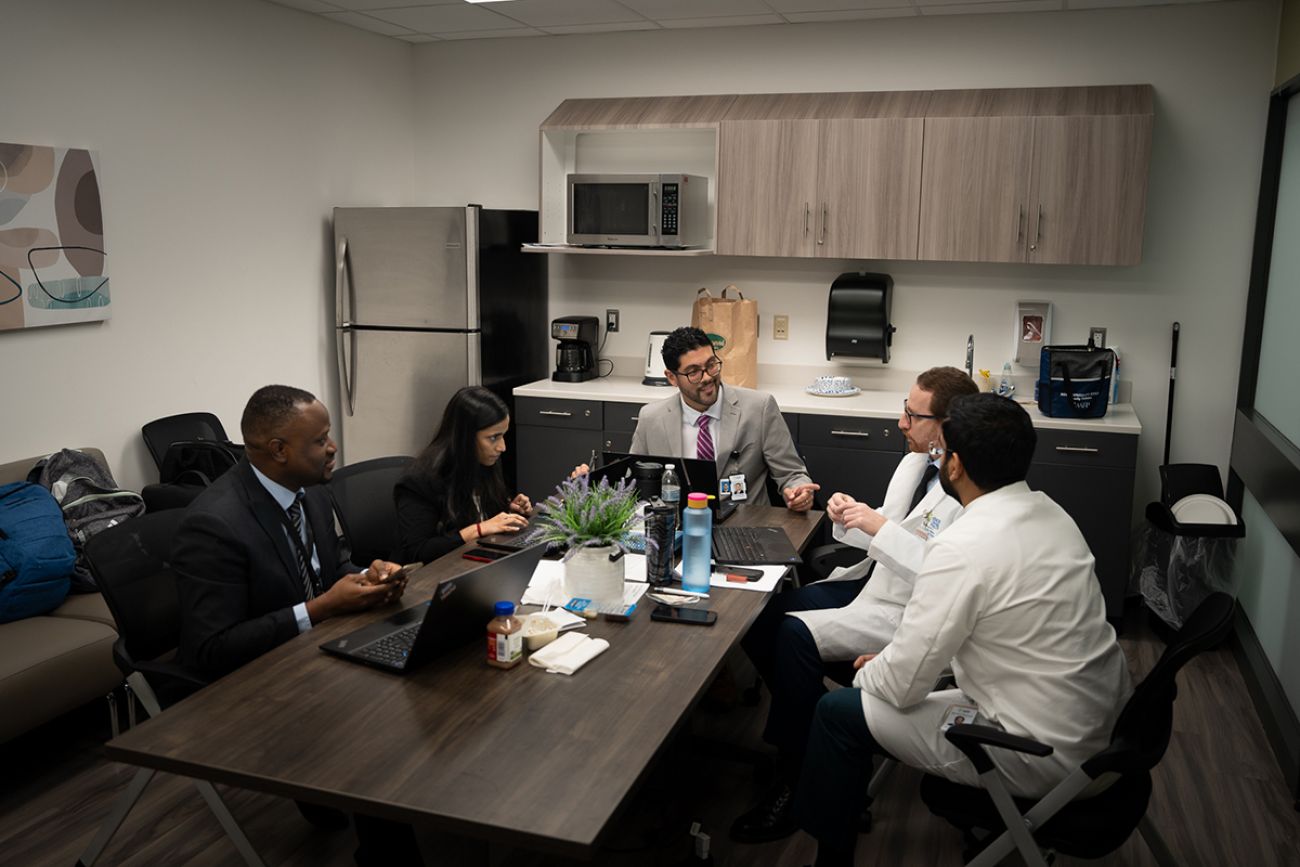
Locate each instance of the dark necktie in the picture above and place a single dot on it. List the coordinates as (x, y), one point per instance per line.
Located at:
(704, 445)
(919, 494)
(300, 549)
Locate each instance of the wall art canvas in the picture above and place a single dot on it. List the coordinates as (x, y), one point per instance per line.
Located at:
(52, 259)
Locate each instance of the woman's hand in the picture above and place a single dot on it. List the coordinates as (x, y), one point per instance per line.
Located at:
(521, 505)
(505, 522)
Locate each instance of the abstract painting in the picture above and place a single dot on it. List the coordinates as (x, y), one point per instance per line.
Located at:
(52, 259)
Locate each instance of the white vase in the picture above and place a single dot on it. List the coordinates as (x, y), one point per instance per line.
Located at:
(589, 574)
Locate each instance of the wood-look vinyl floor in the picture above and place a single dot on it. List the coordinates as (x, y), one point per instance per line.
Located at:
(1219, 799)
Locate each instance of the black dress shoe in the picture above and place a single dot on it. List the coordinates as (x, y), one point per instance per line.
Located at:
(772, 819)
(324, 818)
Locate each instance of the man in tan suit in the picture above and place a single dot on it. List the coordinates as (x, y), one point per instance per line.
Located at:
(740, 429)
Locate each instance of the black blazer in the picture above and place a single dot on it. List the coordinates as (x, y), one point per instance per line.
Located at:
(237, 572)
(421, 517)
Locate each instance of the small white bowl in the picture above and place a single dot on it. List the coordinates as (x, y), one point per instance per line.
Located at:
(539, 631)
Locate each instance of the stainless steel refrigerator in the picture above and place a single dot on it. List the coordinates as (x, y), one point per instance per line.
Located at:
(428, 300)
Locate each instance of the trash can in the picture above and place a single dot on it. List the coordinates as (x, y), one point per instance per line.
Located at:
(1177, 563)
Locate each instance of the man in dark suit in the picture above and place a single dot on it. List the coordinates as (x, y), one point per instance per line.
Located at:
(257, 562)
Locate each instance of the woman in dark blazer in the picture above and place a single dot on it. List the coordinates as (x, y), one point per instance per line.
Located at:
(454, 492)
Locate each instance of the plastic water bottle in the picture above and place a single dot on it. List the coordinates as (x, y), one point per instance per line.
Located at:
(697, 544)
(670, 487)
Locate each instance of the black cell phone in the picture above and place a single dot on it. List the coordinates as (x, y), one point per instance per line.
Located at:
(483, 555)
(743, 571)
(694, 616)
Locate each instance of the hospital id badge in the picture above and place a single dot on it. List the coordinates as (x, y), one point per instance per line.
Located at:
(739, 491)
(957, 715)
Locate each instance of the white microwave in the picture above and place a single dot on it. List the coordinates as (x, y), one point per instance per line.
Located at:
(638, 210)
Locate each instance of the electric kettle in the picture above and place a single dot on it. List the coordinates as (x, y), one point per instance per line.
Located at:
(654, 360)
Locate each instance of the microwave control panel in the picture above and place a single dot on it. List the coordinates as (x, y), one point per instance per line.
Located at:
(669, 205)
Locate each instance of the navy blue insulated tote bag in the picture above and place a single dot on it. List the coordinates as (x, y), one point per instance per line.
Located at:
(36, 554)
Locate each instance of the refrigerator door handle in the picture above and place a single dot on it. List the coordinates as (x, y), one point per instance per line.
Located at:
(343, 301)
(473, 354)
(471, 268)
(347, 348)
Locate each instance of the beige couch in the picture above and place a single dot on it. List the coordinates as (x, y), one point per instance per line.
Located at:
(54, 663)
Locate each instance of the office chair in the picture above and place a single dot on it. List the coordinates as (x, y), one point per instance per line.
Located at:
(1095, 809)
(129, 562)
(160, 433)
(363, 500)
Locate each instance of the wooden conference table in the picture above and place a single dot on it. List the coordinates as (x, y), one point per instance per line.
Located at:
(518, 756)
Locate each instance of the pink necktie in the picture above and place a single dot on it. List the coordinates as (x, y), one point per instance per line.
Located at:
(704, 445)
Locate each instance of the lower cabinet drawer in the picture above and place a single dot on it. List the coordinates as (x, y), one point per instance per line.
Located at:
(1086, 448)
(621, 416)
(549, 412)
(847, 432)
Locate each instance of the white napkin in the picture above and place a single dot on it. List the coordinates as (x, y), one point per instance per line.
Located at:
(568, 653)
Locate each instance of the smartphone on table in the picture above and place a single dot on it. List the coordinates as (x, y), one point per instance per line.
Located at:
(692, 616)
(483, 555)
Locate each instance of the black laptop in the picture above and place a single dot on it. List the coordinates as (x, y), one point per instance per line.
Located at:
(457, 614)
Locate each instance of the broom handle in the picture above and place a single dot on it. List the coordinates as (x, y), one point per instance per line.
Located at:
(1173, 377)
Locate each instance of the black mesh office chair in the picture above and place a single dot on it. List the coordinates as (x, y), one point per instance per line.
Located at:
(160, 433)
(1095, 809)
(363, 499)
(130, 565)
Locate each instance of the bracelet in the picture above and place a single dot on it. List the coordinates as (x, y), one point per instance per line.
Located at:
(479, 526)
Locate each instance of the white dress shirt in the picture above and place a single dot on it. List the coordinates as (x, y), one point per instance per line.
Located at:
(691, 428)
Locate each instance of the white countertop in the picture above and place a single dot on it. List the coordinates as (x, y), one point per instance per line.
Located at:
(1119, 419)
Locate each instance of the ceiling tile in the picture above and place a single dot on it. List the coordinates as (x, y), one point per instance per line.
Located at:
(562, 13)
(852, 15)
(1005, 6)
(365, 22)
(1109, 4)
(441, 19)
(722, 21)
(660, 10)
(367, 5)
(612, 27)
(309, 5)
(820, 6)
(508, 33)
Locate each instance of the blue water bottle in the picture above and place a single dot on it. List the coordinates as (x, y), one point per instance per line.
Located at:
(697, 544)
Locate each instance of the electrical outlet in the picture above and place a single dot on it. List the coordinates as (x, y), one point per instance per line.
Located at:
(781, 327)
(1097, 336)
(611, 321)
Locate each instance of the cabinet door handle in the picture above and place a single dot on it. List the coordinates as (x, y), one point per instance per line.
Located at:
(553, 412)
(851, 433)
(1079, 450)
(805, 219)
(1038, 227)
(635, 418)
(821, 236)
(1020, 226)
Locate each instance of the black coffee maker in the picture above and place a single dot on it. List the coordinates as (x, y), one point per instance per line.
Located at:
(575, 357)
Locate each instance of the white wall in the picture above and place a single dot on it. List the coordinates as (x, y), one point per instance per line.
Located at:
(226, 131)
(479, 105)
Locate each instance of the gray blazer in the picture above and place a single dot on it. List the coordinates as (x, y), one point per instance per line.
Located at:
(753, 438)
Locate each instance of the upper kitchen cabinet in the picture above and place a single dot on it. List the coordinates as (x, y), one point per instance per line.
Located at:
(1049, 175)
(834, 175)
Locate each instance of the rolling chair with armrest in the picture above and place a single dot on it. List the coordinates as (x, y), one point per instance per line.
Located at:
(1095, 809)
(129, 562)
(160, 433)
(363, 501)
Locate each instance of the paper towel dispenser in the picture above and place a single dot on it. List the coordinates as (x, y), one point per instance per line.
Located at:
(857, 316)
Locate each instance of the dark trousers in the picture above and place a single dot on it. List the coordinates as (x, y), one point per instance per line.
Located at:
(836, 771)
(783, 651)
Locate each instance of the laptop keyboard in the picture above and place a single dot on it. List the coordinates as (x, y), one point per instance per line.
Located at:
(737, 545)
(391, 649)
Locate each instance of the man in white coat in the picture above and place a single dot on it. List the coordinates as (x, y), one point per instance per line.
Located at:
(740, 429)
(834, 620)
(1009, 598)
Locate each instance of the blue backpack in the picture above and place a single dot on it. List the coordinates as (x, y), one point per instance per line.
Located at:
(36, 554)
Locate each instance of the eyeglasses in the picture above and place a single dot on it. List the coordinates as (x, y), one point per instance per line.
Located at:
(913, 416)
(712, 367)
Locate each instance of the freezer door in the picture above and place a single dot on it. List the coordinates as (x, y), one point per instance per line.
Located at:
(406, 267)
(403, 380)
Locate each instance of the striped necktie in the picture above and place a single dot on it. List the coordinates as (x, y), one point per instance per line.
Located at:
(300, 549)
(704, 445)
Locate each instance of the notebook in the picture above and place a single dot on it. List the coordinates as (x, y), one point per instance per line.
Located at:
(457, 614)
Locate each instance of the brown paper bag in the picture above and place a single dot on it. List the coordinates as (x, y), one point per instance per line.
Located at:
(732, 325)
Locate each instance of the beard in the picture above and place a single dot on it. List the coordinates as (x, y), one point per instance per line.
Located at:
(943, 480)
